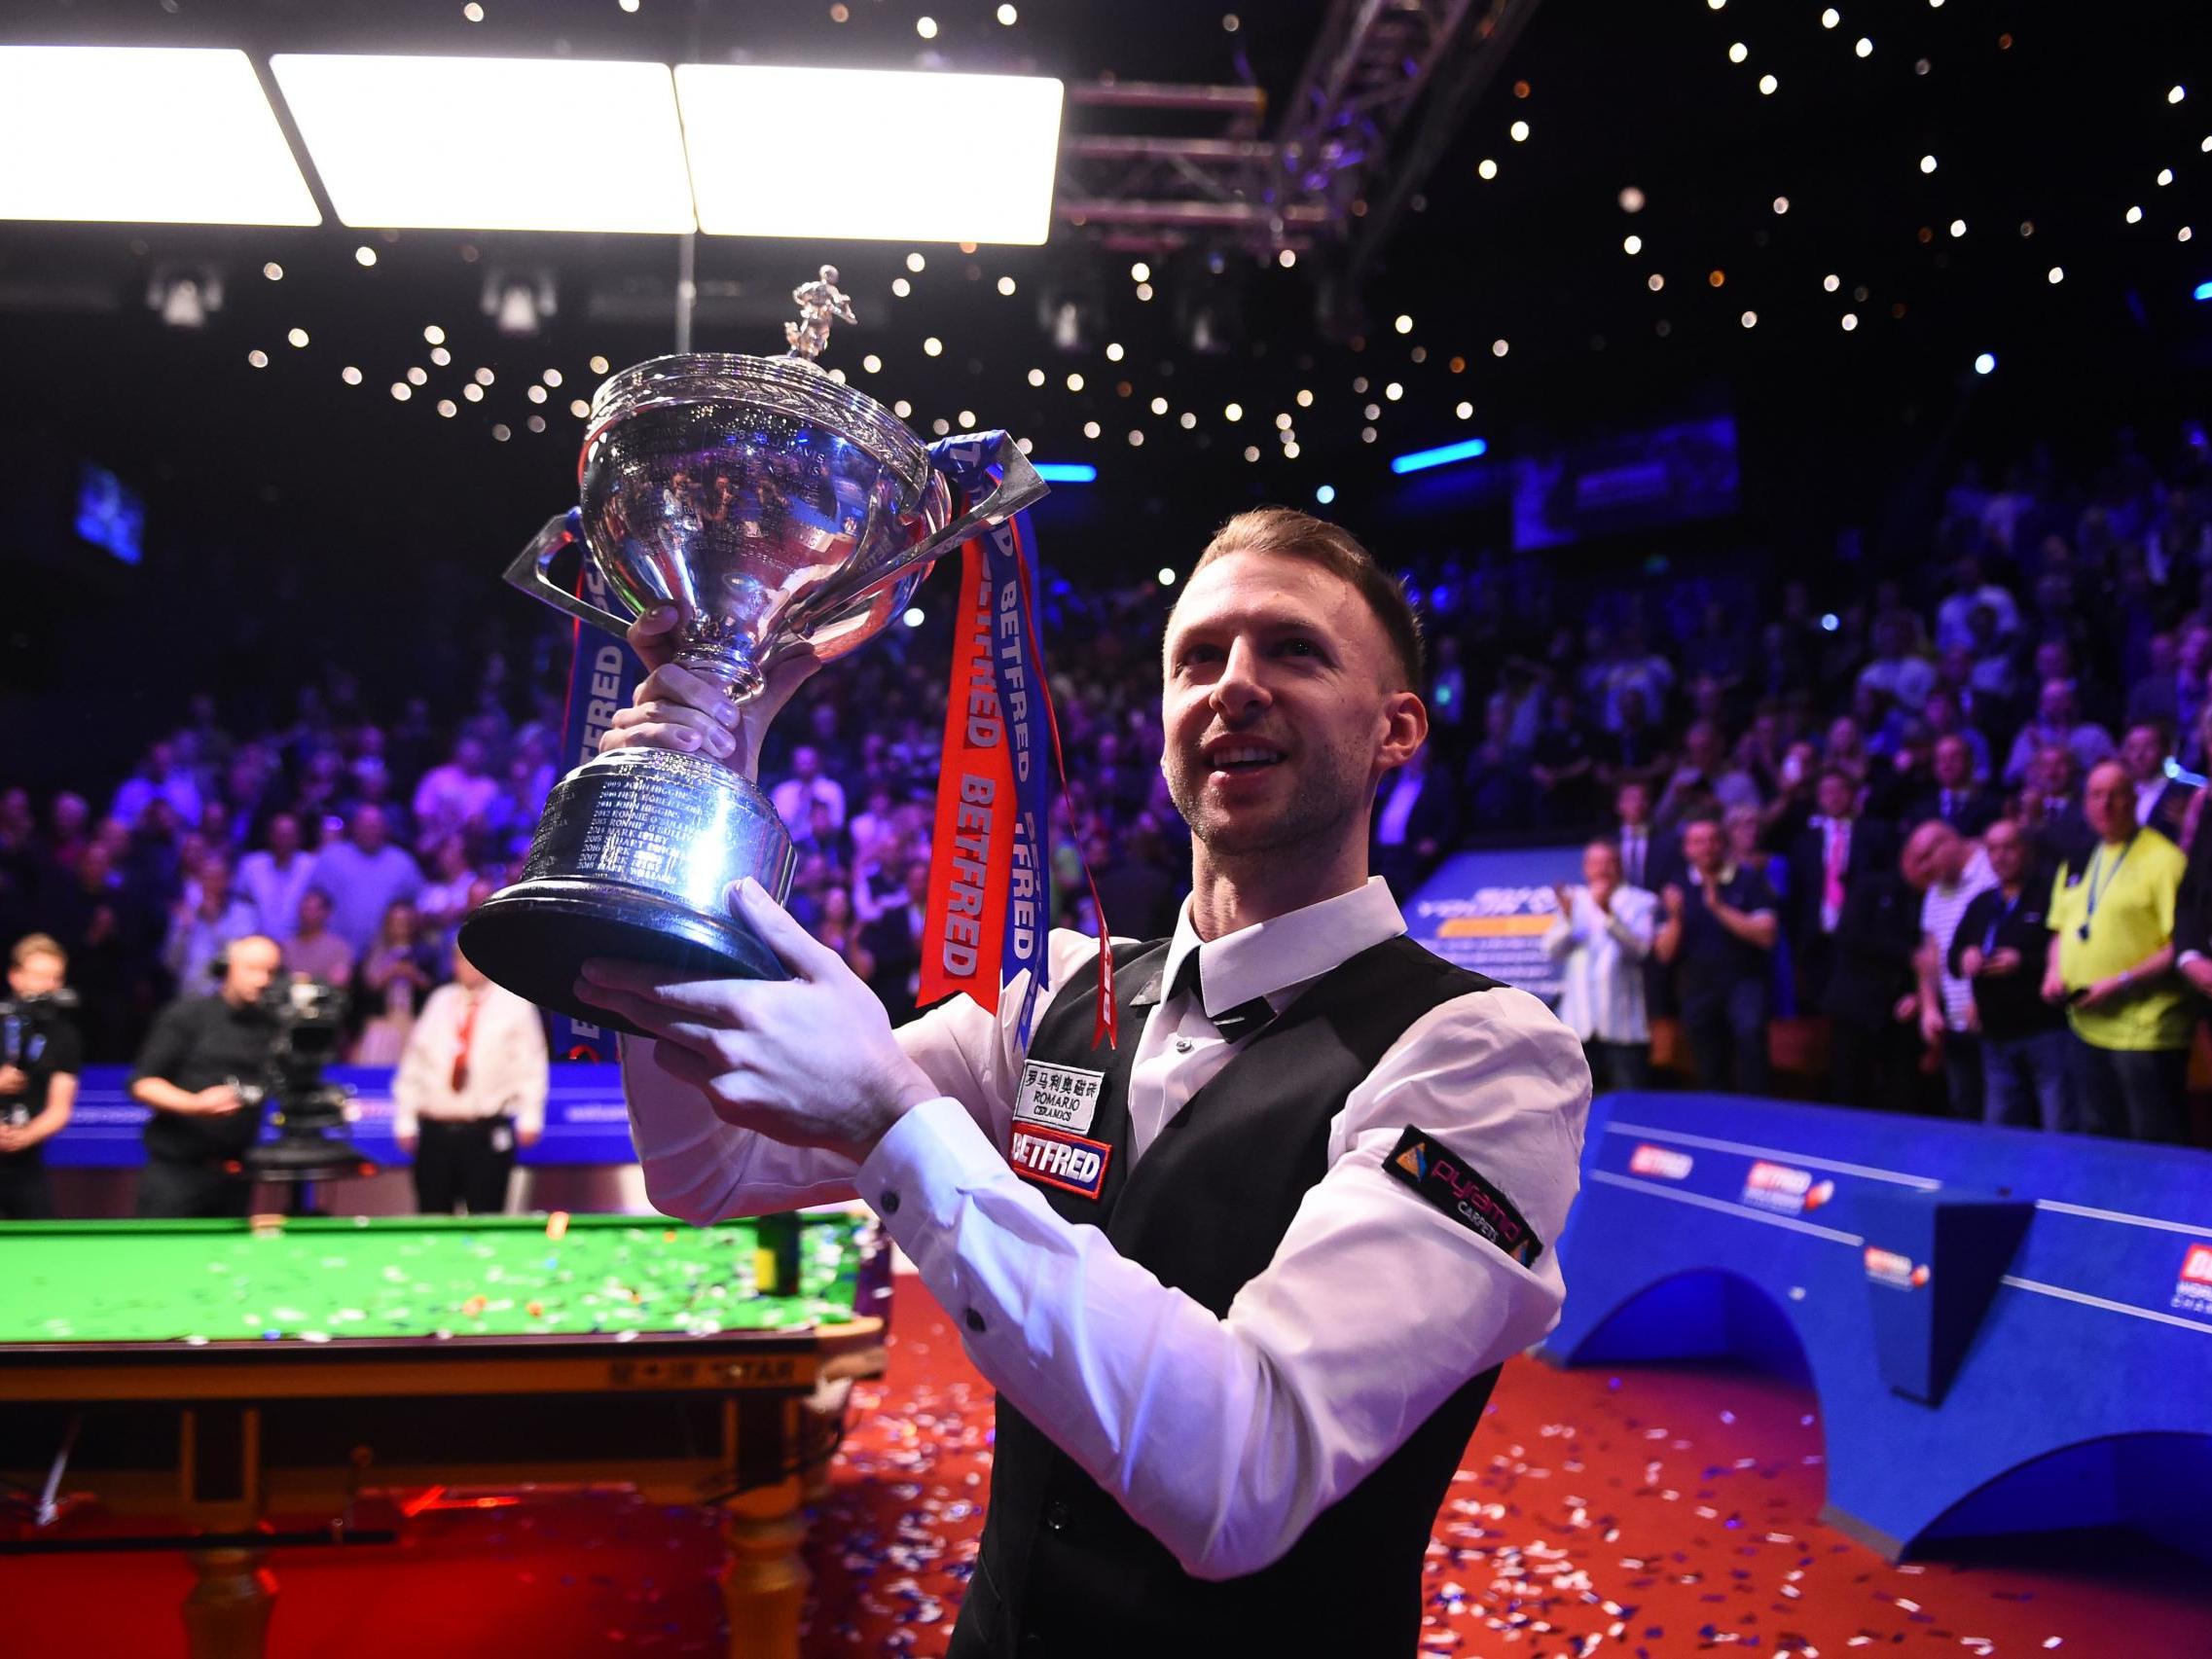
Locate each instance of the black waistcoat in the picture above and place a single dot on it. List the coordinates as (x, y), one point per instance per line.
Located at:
(1064, 1573)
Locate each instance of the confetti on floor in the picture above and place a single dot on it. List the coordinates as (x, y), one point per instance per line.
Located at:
(1641, 1512)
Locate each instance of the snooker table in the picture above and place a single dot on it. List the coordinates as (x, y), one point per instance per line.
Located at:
(202, 1385)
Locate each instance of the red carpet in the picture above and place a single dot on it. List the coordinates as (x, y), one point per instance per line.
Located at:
(1645, 1513)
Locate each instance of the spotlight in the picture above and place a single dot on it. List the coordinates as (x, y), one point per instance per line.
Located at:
(1070, 314)
(185, 294)
(1209, 313)
(519, 301)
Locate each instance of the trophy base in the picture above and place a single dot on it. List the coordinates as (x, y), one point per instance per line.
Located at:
(633, 859)
(535, 937)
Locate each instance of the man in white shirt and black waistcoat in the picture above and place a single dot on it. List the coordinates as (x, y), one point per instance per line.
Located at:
(1243, 1282)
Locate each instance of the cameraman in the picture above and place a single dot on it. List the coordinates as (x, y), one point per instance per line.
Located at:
(40, 1054)
(200, 1047)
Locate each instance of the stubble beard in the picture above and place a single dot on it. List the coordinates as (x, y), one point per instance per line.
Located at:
(1325, 800)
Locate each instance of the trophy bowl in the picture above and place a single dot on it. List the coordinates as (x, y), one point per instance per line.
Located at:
(782, 514)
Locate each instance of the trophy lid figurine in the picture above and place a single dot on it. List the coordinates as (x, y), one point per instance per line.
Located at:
(782, 514)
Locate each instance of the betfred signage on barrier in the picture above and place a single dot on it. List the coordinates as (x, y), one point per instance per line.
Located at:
(2192, 1290)
(1661, 1162)
(1896, 1271)
(1785, 1189)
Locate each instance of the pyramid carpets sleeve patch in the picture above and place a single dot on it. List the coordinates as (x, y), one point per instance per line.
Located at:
(1454, 1186)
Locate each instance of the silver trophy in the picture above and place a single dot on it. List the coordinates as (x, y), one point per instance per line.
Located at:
(783, 515)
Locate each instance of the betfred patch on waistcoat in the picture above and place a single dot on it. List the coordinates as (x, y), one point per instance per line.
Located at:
(1057, 1097)
(1454, 1186)
(1072, 1163)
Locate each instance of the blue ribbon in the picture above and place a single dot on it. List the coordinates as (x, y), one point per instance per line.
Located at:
(602, 672)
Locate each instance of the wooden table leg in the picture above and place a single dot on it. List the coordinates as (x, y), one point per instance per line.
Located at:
(822, 1426)
(226, 1616)
(764, 1578)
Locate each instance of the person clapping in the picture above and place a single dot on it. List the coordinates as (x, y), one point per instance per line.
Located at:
(1604, 931)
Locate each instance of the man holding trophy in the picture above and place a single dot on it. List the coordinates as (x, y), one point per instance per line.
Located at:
(1239, 1223)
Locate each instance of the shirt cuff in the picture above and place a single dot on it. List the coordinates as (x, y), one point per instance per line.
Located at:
(2187, 957)
(916, 1177)
(668, 1120)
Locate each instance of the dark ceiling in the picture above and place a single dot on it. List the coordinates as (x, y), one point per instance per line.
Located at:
(2047, 122)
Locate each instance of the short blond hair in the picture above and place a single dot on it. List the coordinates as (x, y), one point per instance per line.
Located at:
(37, 944)
(1292, 534)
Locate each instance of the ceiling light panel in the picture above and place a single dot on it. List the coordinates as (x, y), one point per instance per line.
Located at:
(143, 135)
(837, 154)
(491, 143)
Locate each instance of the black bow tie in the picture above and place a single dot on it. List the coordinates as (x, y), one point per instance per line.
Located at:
(1234, 1023)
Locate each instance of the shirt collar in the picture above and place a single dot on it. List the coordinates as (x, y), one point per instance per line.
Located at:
(1270, 957)
(1727, 876)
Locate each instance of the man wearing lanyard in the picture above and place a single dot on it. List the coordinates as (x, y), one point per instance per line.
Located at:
(2001, 950)
(1242, 1281)
(2114, 922)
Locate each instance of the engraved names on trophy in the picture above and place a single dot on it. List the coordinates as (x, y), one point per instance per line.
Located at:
(642, 826)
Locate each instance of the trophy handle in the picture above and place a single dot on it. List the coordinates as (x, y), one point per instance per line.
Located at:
(527, 572)
(1018, 487)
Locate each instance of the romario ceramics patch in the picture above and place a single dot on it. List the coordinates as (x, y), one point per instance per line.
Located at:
(1057, 1097)
(1449, 1182)
(1072, 1163)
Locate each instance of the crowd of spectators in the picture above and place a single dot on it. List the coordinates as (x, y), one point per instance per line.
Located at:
(360, 841)
(1818, 719)
(1943, 839)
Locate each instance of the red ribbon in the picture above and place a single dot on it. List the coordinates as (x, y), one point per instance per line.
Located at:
(971, 853)
(972, 850)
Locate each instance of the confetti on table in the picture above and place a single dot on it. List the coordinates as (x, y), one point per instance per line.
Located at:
(405, 1277)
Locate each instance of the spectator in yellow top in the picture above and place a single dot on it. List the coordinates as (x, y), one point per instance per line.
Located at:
(2112, 916)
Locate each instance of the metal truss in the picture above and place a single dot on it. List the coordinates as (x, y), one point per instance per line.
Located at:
(1385, 85)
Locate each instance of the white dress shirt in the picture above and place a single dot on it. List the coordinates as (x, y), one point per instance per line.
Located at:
(1834, 855)
(276, 889)
(794, 801)
(1600, 998)
(506, 1062)
(2147, 798)
(1636, 854)
(1222, 1437)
